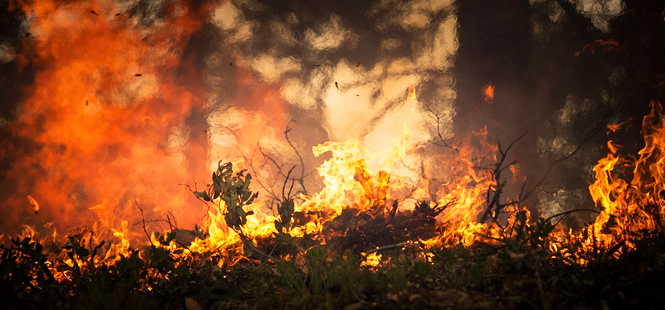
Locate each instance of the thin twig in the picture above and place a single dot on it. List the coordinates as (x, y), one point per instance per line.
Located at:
(143, 223)
(302, 164)
(438, 127)
(392, 246)
(563, 214)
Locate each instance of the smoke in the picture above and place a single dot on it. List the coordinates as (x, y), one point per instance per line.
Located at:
(347, 76)
(132, 99)
(101, 128)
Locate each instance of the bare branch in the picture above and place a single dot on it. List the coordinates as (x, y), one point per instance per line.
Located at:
(143, 222)
(301, 180)
(437, 117)
(563, 214)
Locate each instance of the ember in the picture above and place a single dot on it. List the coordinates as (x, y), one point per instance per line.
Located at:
(488, 91)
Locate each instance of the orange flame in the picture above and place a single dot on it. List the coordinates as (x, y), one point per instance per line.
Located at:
(488, 91)
(34, 203)
(107, 97)
(615, 127)
(631, 206)
(604, 45)
(106, 115)
(613, 147)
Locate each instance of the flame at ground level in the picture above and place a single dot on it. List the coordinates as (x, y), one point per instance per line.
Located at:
(631, 203)
(102, 99)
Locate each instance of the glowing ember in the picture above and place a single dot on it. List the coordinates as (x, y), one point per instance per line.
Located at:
(488, 91)
(372, 260)
(604, 45)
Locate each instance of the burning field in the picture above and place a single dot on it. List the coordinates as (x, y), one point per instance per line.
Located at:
(389, 154)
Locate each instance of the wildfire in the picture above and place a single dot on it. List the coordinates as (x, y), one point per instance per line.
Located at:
(106, 115)
(89, 105)
(632, 205)
(629, 207)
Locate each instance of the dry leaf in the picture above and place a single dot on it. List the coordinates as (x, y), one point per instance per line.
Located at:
(191, 304)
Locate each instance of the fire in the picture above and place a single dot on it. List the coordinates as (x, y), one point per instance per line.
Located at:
(631, 203)
(104, 121)
(613, 147)
(108, 117)
(488, 91)
(372, 260)
(358, 179)
(615, 127)
(34, 203)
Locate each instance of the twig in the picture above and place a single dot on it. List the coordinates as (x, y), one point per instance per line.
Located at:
(254, 248)
(438, 127)
(254, 171)
(302, 164)
(488, 237)
(143, 222)
(286, 180)
(392, 246)
(494, 193)
(616, 247)
(563, 214)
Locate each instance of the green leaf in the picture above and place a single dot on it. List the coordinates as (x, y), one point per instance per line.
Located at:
(216, 183)
(203, 195)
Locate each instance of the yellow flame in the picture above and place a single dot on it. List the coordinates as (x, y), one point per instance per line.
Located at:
(372, 260)
(626, 202)
(34, 203)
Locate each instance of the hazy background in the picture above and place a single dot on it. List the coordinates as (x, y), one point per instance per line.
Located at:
(110, 104)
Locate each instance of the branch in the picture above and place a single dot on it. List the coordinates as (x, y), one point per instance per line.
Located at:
(392, 246)
(563, 214)
(494, 194)
(301, 180)
(143, 222)
(254, 171)
(438, 128)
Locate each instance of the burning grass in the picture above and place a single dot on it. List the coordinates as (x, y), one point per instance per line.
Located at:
(521, 272)
(358, 245)
(396, 229)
